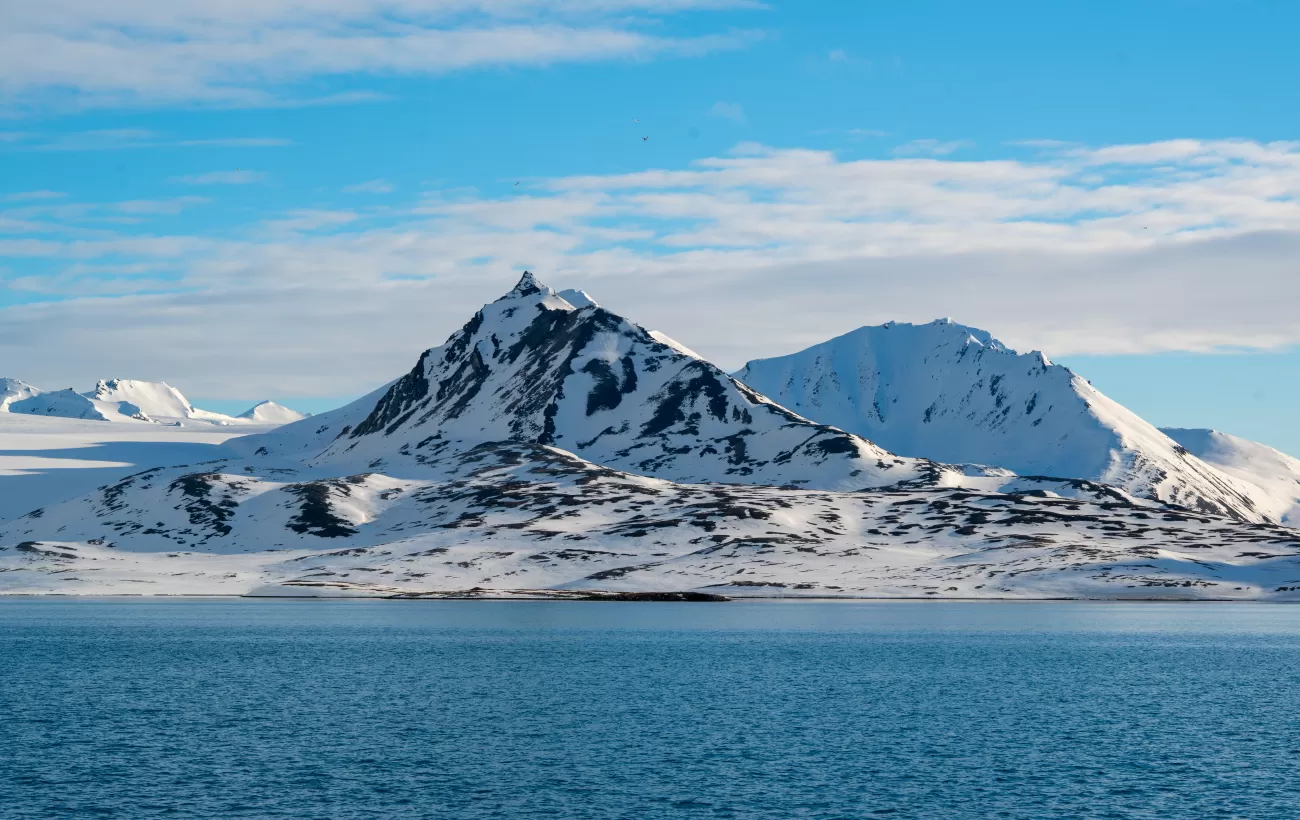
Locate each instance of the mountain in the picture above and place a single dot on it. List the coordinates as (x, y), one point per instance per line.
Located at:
(1274, 474)
(532, 367)
(553, 450)
(12, 390)
(953, 393)
(150, 399)
(268, 412)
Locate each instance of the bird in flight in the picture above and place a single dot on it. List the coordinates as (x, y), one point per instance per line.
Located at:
(643, 139)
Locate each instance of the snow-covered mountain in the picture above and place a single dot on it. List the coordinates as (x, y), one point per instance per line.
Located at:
(12, 390)
(557, 450)
(268, 412)
(954, 393)
(1274, 475)
(149, 399)
(532, 367)
(131, 400)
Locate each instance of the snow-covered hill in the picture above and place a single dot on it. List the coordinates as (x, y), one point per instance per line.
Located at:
(953, 393)
(532, 367)
(12, 390)
(1274, 475)
(69, 404)
(521, 518)
(268, 412)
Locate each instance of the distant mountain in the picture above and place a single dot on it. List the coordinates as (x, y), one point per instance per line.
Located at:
(1274, 474)
(150, 399)
(532, 367)
(12, 390)
(70, 404)
(268, 412)
(130, 400)
(953, 393)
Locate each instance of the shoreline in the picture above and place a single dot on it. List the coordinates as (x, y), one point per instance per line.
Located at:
(635, 598)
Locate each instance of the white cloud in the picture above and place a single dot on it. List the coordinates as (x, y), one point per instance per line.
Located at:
(24, 196)
(173, 205)
(374, 186)
(127, 138)
(756, 253)
(238, 142)
(239, 52)
(931, 148)
(860, 133)
(728, 111)
(236, 177)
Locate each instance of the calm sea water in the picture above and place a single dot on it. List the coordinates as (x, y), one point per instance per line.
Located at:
(342, 709)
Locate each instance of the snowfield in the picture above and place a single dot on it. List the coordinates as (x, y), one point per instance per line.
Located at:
(553, 448)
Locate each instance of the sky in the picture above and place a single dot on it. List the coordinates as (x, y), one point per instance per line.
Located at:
(290, 199)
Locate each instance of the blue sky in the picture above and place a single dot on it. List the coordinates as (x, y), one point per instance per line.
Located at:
(290, 200)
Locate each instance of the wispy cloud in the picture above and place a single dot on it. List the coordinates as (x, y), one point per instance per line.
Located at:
(238, 142)
(236, 177)
(374, 186)
(131, 52)
(728, 111)
(173, 205)
(25, 196)
(931, 148)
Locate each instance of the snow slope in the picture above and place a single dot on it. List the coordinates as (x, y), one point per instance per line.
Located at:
(152, 399)
(47, 460)
(268, 412)
(70, 404)
(954, 393)
(1274, 474)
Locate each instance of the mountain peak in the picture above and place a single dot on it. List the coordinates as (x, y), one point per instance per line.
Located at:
(528, 285)
(268, 412)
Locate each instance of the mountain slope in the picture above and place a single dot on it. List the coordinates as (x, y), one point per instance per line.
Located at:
(1275, 474)
(531, 367)
(953, 393)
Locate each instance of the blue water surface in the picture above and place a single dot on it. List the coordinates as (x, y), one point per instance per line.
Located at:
(403, 709)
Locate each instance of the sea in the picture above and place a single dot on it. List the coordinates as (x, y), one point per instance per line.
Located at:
(247, 708)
